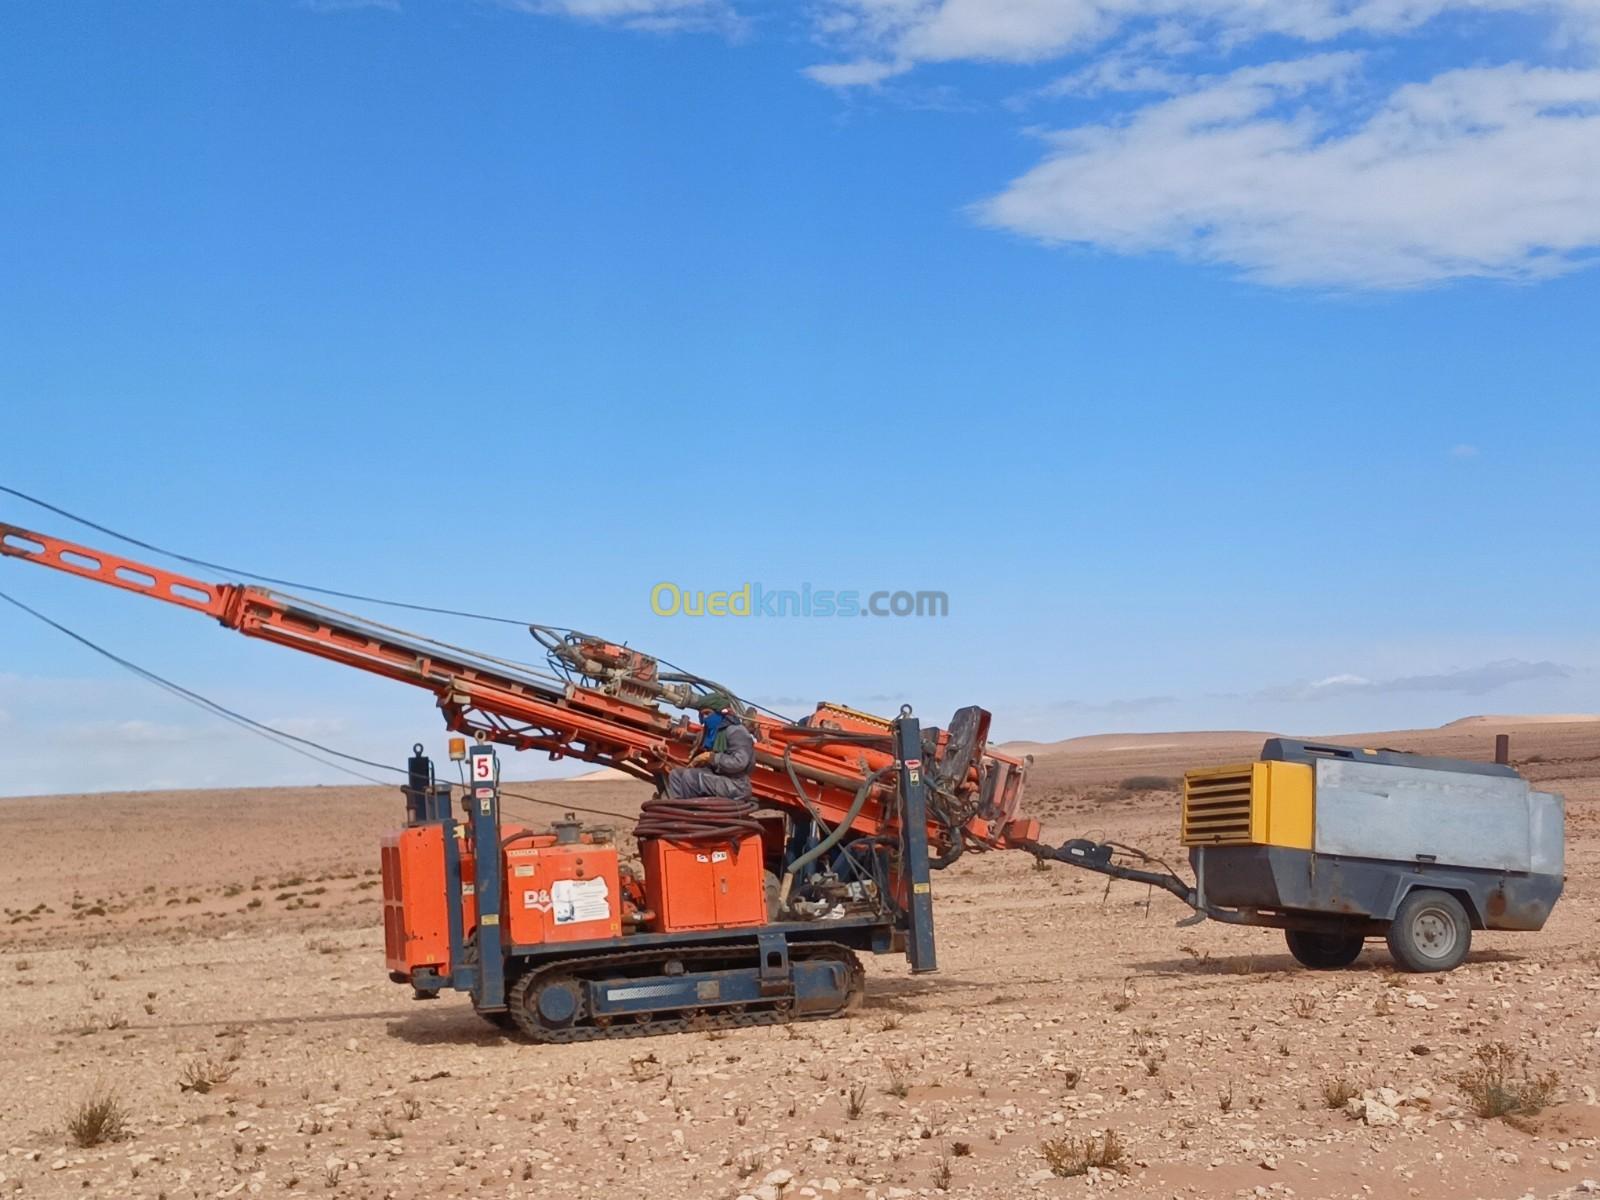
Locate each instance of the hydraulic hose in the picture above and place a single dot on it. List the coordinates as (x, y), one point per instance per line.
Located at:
(832, 840)
(958, 847)
(697, 821)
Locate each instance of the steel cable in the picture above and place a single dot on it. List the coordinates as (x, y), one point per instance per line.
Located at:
(261, 729)
(532, 627)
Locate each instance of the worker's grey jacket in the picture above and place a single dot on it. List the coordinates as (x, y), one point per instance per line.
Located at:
(728, 775)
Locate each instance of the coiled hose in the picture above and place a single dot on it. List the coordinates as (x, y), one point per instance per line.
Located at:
(697, 821)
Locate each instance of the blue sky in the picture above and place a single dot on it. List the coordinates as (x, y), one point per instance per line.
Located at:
(1227, 365)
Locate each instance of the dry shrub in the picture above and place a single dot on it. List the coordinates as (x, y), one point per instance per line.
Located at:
(646, 1068)
(899, 1085)
(1338, 1091)
(855, 1101)
(1070, 1156)
(203, 1074)
(1225, 1097)
(98, 1118)
(1150, 783)
(1502, 1083)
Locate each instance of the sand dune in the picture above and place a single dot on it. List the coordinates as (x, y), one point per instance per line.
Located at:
(600, 775)
(1202, 739)
(1112, 742)
(1524, 719)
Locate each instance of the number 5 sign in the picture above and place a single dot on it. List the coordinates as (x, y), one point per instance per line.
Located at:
(482, 765)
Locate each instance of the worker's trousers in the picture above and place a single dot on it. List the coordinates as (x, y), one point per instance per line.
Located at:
(686, 782)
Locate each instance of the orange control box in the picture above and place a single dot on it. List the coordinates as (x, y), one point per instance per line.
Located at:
(715, 886)
(416, 925)
(559, 891)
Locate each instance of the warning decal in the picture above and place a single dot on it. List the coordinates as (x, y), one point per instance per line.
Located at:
(573, 901)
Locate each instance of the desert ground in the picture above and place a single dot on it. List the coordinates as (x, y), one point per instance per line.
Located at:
(214, 961)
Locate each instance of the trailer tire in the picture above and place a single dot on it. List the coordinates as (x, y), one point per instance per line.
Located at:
(1430, 932)
(1324, 951)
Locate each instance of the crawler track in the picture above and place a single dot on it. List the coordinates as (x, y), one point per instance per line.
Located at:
(585, 1028)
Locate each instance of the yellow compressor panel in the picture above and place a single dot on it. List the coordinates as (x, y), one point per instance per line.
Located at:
(1249, 804)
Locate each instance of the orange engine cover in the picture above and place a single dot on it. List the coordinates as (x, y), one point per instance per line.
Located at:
(416, 923)
(416, 930)
(561, 891)
(704, 887)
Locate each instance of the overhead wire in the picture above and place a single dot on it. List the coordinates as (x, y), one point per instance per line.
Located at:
(275, 735)
(343, 595)
(227, 570)
(279, 737)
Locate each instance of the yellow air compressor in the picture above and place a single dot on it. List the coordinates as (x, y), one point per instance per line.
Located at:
(1335, 845)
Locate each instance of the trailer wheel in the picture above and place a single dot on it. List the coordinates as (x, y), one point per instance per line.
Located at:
(1430, 932)
(1324, 951)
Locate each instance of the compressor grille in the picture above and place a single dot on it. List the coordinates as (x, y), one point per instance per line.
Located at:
(1217, 806)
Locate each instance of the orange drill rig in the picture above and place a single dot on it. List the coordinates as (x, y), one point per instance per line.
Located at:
(741, 913)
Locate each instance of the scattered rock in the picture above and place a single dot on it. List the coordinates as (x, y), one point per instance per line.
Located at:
(1373, 1111)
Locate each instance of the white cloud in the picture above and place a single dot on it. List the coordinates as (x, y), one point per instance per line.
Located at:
(664, 16)
(1469, 681)
(1038, 30)
(608, 10)
(333, 6)
(1114, 73)
(1302, 172)
(857, 73)
(1489, 172)
(1133, 704)
(76, 735)
(310, 727)
(1345, 682)
(140, 733)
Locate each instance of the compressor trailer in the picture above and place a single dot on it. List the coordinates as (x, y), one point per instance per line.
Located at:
(1335, 845)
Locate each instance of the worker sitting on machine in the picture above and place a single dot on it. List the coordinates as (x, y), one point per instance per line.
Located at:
(721, 767)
